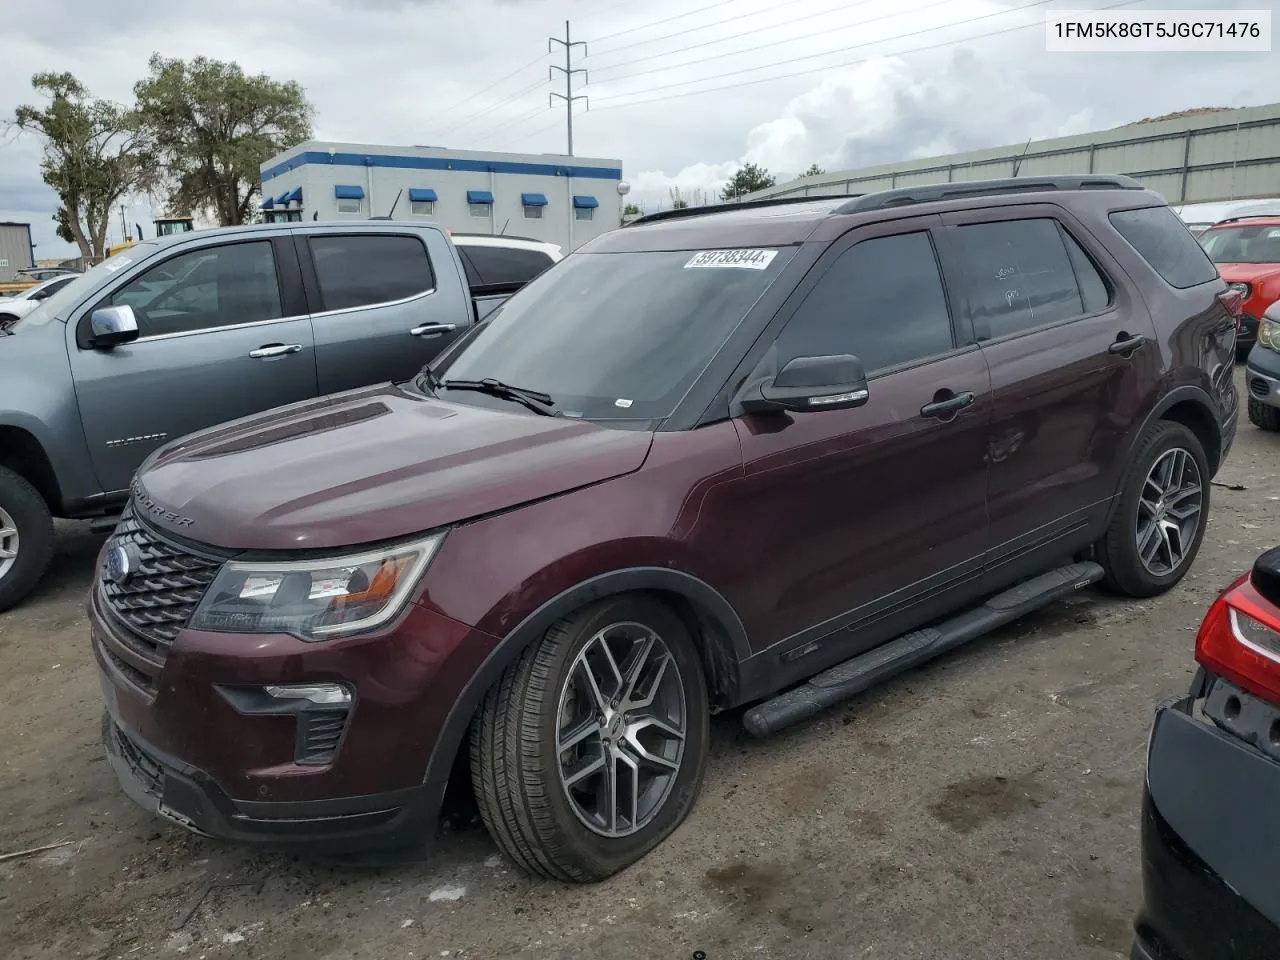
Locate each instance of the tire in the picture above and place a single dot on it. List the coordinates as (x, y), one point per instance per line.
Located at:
(23, 510)
(1263, 416)
(541, 824)
(1118, 551)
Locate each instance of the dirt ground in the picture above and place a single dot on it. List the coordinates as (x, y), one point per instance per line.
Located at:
(983, 807)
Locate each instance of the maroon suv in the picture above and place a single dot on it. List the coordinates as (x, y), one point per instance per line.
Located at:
(761, 454)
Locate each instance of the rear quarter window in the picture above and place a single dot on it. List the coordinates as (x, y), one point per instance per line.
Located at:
(1164, 241)
(499, 265)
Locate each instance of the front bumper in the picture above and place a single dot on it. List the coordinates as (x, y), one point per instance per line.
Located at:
(1262, 376)
(183, 743)
(1210, 878)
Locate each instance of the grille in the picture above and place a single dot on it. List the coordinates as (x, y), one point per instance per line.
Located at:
(148, 772)
(320, 734)
(1260, 388)
(161, 594)
(130, 672)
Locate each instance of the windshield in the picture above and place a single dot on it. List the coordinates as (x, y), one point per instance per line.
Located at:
(618, 336)
(1244, 244)
(58, 302)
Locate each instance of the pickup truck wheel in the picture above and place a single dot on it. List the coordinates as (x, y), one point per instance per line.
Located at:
(1160, 519)
(590, 750)
(1261, 415)
(26, 538)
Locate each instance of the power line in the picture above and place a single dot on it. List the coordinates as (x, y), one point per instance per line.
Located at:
(498, 82)
(488, 132)
(458, 125)
(828, 53)
(763, 46)
(530, 136)
(847, 63)
(704, 26)
(658, 23)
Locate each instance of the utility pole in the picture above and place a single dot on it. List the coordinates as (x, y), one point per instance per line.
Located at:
(568, 71)
(124, 229)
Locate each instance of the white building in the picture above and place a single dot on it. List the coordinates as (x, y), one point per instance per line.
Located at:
(561, 199)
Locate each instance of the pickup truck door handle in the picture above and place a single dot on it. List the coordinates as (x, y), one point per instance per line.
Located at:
(944, 408)
(275, 350)
(433, 329)
(1124, 346)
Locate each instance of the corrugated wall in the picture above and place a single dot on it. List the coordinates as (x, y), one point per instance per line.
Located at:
(1225, 155)
(15, 250)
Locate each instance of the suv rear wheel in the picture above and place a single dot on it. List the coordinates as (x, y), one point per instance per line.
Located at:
(590, 750)
(26, 537)
(1160, 520)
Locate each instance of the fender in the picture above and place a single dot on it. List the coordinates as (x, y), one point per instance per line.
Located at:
(1197, 395)
(722, 656)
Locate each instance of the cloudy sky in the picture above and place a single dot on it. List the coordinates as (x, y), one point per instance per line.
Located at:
(682, 93)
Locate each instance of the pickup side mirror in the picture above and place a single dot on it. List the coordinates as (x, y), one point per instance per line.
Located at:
(811, 383)
(111, 326)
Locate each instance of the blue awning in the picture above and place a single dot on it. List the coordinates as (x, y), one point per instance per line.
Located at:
(294, 194)
(585, 203)
(268, 203)
(479, 196)
(533, 199)
(282, 199)
(346, 192)
(422, 195)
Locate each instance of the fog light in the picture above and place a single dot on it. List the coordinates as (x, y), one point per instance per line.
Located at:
(321, 693)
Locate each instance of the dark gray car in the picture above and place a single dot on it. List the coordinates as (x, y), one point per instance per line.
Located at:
(180, 333)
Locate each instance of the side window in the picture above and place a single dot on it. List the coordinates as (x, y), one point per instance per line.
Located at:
(359, 270)
(1164, 241)
(882, 301)
(473, 275)
(507, 264)
(206, 288)
(1024, 274)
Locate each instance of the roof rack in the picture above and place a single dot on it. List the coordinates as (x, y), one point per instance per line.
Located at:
(680, 212)
(984, 188)
(1247, 216)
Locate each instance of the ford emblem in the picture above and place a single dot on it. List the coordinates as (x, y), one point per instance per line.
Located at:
(119, 564)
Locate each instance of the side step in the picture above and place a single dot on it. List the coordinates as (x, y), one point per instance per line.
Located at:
(867, 669)
(104, 524)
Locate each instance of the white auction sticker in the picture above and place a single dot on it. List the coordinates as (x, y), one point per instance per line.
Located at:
(741, 259)
(1157, 31)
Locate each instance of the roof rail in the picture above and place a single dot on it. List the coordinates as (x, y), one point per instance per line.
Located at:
(681, 212)
(1247, 216)
(984, 188)
(502, 236)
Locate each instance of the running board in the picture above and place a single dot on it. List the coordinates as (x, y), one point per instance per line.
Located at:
(912, 649)
(104, 524)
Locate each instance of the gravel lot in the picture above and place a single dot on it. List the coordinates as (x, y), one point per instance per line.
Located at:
(985, 806)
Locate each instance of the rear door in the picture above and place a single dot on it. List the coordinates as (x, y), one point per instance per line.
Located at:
(223, 333)
(384, 303)
(1074, 362)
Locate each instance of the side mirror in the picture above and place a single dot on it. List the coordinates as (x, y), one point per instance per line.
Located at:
(111, 326)
(811, 383)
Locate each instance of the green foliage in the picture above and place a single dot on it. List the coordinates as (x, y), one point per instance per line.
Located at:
(813, 171)
(93, 156)
(631, 210)
(748, 179)
(211, 127)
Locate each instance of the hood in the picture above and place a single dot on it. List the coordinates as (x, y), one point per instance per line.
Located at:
(369, 465)
(1247, 272)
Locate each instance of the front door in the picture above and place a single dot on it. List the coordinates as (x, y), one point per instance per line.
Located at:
(216, 342)
(1074, 360)
(864, 519)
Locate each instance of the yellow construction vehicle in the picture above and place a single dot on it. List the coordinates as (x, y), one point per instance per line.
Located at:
(165, 227)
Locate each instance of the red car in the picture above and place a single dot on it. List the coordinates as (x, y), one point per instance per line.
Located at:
(1247, 252)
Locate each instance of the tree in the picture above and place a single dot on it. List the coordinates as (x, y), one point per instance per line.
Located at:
(631, 210)
(212, 127)
(813, 171)
(678, 202)
(93, 156)
(747, 180)
(680, 199)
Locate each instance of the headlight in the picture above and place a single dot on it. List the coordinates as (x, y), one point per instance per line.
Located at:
(316, 599)
(1269, 334)
(1241, 288)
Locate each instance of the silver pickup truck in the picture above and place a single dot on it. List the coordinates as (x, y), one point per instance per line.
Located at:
(180, 333)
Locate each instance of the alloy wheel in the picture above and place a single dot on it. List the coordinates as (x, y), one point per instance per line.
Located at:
(1169, 510)
(8, 542)
(620, 731)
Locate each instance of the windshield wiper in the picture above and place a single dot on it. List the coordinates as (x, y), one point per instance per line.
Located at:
(426, 381)
(535, 400)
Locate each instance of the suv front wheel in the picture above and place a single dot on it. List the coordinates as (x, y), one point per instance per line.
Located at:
(590, 750)
(1160, 519)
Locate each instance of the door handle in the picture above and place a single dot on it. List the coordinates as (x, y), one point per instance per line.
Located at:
(1125, 346)
(433, 329)
(945, 408)
(275, 350)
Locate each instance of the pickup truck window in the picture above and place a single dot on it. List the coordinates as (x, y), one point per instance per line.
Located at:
(204, 289)
(358, 270)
